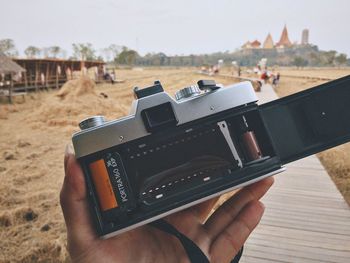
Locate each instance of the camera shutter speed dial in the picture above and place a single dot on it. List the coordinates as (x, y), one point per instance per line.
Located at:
(187, 92)
(91, 122)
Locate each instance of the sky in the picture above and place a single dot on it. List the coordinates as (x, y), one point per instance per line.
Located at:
(173, 27)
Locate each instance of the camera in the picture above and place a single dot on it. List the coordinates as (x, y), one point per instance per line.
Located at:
(172, 153)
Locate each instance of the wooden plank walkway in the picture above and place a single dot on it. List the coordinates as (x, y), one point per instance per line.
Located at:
(306, 218)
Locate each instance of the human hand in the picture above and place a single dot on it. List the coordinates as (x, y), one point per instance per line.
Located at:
(220, 237)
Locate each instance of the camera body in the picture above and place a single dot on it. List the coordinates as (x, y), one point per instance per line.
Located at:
(170, 154)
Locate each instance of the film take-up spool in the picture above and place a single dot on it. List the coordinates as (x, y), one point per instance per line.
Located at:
(249, 142)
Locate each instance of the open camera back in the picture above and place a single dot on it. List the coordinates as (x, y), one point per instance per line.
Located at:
(169, 154)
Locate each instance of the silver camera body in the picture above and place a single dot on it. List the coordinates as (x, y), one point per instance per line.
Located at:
(172, 153)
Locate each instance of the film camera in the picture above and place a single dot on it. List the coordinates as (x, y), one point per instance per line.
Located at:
(170, 154)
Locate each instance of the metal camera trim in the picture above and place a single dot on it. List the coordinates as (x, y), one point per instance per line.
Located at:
(131, 127)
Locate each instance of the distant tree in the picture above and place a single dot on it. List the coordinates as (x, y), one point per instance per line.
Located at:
(341, 59)
(32, 52)
(156, 59)
(127, 56)
(54, 51)
(300, 62)
(8, 47)
(330, 57)
(315, 58)
(162, 58)
(84, 51)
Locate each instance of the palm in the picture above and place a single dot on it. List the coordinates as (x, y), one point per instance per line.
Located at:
(146, 244)
(220, 237)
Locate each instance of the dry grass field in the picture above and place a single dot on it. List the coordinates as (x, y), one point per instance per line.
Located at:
(316, 72)
(33, 135)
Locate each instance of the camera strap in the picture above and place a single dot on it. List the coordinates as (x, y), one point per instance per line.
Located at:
(194, 253)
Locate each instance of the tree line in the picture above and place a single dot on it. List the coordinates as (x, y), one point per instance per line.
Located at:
(81, 51)
(121, 55)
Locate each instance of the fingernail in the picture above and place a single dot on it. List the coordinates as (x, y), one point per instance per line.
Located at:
(68, 152)
(69, 149)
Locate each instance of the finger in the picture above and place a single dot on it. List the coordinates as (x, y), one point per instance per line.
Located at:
(232, 238)
(68, 152)
(230, 209)
(203, 210)
(74, 202)
(190, 221)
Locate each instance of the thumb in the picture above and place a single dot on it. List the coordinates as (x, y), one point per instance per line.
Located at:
(74, 202)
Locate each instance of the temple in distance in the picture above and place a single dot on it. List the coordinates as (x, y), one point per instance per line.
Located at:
(283, 43)
(278, 51)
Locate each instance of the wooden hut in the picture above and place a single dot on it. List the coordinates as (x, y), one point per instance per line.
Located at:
(9, 71)
(53, 72)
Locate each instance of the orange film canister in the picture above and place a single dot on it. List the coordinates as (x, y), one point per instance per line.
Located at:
(103, 185)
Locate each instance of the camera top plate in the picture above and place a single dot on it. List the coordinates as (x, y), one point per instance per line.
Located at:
(132, 127)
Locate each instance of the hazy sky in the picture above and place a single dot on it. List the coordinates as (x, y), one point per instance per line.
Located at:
(173, 27)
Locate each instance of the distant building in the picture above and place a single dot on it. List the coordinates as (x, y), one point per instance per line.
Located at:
(52, 72)
(256, 44)
(9, 73)
(268, 43)
(251, 45)
(305, 37)
(284, 40)
(282, 45)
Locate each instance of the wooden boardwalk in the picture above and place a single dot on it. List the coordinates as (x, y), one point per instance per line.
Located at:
(306, 218)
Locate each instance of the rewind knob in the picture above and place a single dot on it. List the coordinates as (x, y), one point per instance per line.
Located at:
(90, 122)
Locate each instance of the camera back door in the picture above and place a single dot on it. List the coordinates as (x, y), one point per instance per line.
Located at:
(311, 121)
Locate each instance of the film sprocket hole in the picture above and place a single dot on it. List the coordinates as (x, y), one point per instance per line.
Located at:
(170, 154)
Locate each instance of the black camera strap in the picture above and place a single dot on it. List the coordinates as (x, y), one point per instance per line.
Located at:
(194, 253)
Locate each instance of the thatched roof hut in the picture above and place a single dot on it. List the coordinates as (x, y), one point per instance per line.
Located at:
(7, 66)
